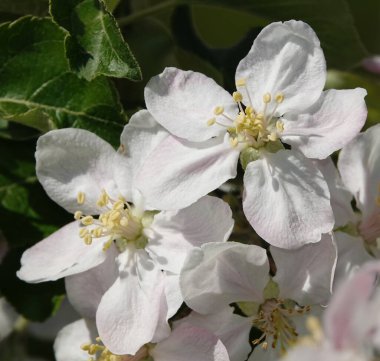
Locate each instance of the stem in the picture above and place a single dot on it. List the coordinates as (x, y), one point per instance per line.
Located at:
(126, 20)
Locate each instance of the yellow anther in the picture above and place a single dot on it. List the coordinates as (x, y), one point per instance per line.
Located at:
(264, 345)
(85, 347)
(280, 125)
(240, 82)
(107, 244)
(237, 97)
(249, 110)
(81, 197)
(267, 98)
(118, 206)
(272, 136)
(218, 110)
(260, 116)
(98, 339)
(97, 232)
(103, 200)
(83, 232)
(87, 239)
(279, 98)
(88, 220)
(78, 215)
(114, 215)
(211, 122)
(234, 142)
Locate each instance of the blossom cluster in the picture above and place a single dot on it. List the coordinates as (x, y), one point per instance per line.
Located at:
(148, 261)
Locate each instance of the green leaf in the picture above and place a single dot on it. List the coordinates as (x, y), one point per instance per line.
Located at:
(345, 80)
(95, 45)
(37, 88)
(331, 20)
(24, 7)
(111, 4)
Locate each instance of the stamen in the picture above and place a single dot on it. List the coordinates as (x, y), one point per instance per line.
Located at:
(218, 110)
(279, 98)
(78, 215)
(88, 220)
(240, 82)
(267, 98)
(211, 122)
(237, 97)
(81, 197)
(103, 200)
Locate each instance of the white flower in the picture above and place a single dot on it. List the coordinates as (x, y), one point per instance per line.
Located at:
(216, 275)
(351, 329)
(143, 249)
(78, 342)
(279, 97)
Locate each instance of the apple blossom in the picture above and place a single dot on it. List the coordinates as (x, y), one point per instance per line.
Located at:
(279, 99)
(216, 275)
(146, 248)
(351, 323)
(77, 342)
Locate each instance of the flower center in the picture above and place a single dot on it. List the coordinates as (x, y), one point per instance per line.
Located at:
(274, 320)
(118, 221)
(252, 127)
(99, 352)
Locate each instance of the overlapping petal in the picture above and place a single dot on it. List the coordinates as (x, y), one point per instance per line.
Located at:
(217, 274)
(305, 275)
(181, 172)
(130, 310)
(61, 254)
(70, 161)
(174, 233)
(183, 102)
(285, 58)
(328, 125)
(287, 200)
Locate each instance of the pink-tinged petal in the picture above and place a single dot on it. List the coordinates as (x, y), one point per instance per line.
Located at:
(61, 254)
(218, 274)
(324, 352)
(285, 58)
(70, 161)
(178, 173)
(183, 102)
(139, 138)
(351, 256)
(188, 343)
(328, 125)
(233, 330)
(174, 233)
(311, 281)
(372, 64)
(129, 312)
(8, 318)
(86, 289)
(359, 166)
(340, 197)
(67, 346)
(286, 200)
(348, 302)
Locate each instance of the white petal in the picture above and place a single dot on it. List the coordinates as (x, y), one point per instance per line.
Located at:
(359, 166)
(340, 197)
(175, 233)
(61, 254)
(328, 125)
(8, 318)
(217, 274)
(183, 102)
(187, 343)
(285, 58)
(129, 311)
(351, 256)
(311, 281)
(139, 138)
(173, 294)
(67, 346)
(233, 330)
(287, 200)
(70, 161)
(179, 172)
(86, 289)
